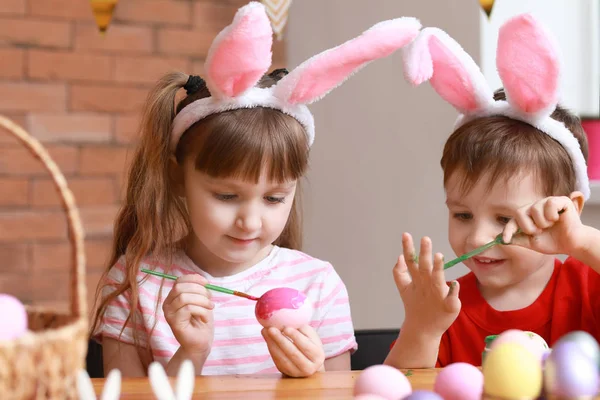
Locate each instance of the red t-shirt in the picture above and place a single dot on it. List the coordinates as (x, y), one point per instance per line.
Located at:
(570, 301)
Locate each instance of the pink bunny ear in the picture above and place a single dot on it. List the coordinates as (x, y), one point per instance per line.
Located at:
(323, 72)
(529, 65)
(241, 53)
(436, 57)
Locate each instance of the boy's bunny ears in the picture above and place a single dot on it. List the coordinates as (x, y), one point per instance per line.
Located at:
(241, 54)
(528, 64)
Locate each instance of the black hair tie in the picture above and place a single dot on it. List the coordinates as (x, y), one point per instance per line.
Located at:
(193, 84)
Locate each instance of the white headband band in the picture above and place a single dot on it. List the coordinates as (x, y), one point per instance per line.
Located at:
(241, 54)
(528, 63)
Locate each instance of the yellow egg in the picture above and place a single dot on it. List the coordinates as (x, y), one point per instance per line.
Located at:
(510, 371)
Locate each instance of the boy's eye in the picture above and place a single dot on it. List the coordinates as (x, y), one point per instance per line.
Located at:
(224, 197)
(504, 220)
(274, 199)
(463, 216)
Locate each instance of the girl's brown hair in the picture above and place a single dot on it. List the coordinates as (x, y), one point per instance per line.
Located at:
(499, 147)
(239, 143)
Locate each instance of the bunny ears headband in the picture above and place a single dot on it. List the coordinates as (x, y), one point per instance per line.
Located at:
(241, 54)
(528, 64)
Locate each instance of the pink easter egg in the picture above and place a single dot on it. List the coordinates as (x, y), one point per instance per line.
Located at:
(532, 342)
(384, 381)
(283, 307)
(459, 381)
(13, 317)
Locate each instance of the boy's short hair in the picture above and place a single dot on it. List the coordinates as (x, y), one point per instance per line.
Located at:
(503, 147)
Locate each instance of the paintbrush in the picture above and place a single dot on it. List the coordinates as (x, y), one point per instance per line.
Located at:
(208, 285)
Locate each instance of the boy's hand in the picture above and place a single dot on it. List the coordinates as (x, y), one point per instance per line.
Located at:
(297, 353)
(545, 230)
(430, 305)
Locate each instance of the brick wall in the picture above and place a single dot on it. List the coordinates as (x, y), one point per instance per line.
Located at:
(80, 94)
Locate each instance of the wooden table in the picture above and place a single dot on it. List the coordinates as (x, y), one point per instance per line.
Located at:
(326, 385)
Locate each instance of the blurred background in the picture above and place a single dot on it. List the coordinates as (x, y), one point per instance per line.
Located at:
(374, 165)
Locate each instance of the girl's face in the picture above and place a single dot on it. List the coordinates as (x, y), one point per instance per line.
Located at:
(234, 221)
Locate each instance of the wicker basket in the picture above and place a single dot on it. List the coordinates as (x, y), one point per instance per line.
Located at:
(43, 363)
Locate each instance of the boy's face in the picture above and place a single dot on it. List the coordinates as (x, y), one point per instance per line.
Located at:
(476, 217)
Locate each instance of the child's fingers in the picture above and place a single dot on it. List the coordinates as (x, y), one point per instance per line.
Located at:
(555, 205)
(425, 260)
(283, 363)
(509, 230)
(291, 351)
(539, 217)
(452, 300)
(410, 256)
(309, 349)
(526, 223)
(438, 280)
(191, 299)
(401, 274)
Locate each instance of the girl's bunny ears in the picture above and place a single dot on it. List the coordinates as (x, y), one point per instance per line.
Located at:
(241, 54)
(528, 64)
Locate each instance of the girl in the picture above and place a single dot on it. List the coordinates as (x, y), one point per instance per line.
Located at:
(515, 160)
(211, 197)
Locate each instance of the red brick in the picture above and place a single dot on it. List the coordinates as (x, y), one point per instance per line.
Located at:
(15, 258)
(67, 9)
(127, 128)
(13, 7)
(212, 16)
(147, 69)
(23, 225)
(28, 97)
(15, 192)
(103, 160)
(5, 136)
(154, 11)
(184, 42)
(87, 191)
(13, 63)
(118, 38)
(56, 256)
(52, 289)
(98, 221)
(19, 161)
(16, 284)
(106, 98)
(197, 68)
(70, 127)
(45, 64)
(35, 32)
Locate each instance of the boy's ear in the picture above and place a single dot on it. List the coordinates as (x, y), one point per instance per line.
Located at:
(578, 200)
(176, 177)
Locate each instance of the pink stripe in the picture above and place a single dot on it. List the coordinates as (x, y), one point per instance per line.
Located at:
(331, 321)
(341, 301)
(236, 322)
(293, 278)
(238, 341)
(270, 370)
(115, 322)
(237, 361)
(338, 338)
(162, 353)
(330, 297)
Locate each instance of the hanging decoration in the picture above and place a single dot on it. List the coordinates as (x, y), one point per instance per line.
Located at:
(278, 10)
(103, 11)
(487, 6)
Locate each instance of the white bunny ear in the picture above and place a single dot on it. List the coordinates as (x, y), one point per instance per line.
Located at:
(85, 389)
(160, 382)
(323, 72)
(185, 381)
(528, 63)
(437, 57)
(241, 53)
(112, 386)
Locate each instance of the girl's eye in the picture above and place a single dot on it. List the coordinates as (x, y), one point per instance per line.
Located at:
(463, 216)
(224, 197)
(504, 220)
(275, 200)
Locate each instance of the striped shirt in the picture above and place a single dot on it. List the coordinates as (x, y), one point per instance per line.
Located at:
(238, 346)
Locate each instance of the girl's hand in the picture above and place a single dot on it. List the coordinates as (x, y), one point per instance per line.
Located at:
(430, 305)
(297, 353)
(188, 311)
(545, 230)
